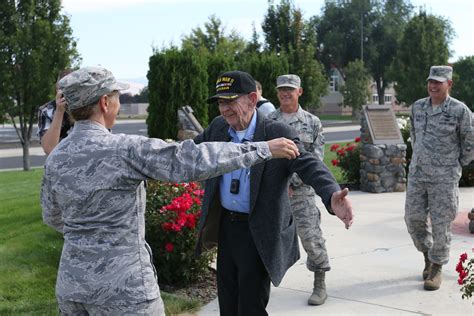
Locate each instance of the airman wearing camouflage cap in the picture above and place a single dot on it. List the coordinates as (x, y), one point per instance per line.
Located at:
(303, 197)
(86, 85)
(291, 81)
(440, 73)
(93, 193)
(442, 138)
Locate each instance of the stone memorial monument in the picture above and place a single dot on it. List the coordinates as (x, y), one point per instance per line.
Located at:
(189, 126)
(382, 151)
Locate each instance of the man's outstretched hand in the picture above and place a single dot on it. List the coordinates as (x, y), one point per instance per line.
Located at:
(342, 207)
(283, 148)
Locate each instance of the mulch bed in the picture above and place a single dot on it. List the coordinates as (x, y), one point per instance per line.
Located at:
(204, 290)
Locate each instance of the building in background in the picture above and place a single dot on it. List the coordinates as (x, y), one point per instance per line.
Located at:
(333, 102)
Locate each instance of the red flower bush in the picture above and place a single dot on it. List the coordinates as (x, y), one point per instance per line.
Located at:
(465, 270)
(348, 159)
(172, 215)
(334, 147)
(169, 247)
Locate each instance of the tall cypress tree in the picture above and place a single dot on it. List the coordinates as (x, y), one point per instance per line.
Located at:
(175, 78)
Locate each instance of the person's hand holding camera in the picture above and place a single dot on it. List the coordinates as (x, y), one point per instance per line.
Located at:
(61, 105)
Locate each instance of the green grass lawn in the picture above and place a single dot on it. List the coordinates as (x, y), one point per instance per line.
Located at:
(30, 251)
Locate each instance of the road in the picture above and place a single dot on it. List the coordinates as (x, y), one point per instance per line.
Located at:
(11, 157)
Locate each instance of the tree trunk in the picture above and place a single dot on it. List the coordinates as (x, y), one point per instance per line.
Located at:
(355, 115)
(26, 155)
(380, 91)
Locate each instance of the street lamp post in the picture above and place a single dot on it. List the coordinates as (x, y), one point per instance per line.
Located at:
(362, 36)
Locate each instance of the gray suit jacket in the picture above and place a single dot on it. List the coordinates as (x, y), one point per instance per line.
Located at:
(270, 221)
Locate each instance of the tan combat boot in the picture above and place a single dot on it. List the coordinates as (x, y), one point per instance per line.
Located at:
(433, 282)
(426, 270)
(319, 295)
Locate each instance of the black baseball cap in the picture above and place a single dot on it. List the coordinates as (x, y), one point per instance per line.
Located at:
(233, 84)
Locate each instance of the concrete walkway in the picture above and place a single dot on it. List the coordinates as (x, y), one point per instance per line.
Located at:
(376, 270)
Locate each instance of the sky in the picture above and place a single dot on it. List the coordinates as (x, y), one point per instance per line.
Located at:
(120, 34)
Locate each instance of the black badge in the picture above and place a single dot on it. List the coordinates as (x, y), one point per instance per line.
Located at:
(234, 186)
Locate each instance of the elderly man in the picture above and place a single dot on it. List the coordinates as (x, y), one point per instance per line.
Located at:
(442, 139)
(302, 196)
(247, 212)
(93, 193)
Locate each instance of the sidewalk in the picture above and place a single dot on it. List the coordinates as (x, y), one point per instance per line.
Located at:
(376, 270)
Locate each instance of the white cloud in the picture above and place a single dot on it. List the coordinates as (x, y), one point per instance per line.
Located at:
(134, 89)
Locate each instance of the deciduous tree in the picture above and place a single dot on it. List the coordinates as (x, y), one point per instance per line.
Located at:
(356, 88)
(463, 75)
(36, 43)
(425, 42)
(369, 30)
(288, 33)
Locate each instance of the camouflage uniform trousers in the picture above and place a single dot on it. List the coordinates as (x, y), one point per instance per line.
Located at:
(152, 308)
(430, 208)
(308, 219)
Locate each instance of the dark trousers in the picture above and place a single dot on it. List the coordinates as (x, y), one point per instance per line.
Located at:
(243, 284)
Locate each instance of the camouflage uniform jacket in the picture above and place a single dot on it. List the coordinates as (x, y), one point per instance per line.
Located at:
(45, 117)
(310, 132)
(93, 192)
(442, 140)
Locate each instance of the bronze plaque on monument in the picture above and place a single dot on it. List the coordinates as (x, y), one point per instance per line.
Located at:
(383, 124)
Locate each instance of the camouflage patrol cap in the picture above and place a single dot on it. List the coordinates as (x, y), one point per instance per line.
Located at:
(86, 85)
(440, 73)
(292, 81)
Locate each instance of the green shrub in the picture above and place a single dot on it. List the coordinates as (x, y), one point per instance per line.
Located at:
(172, 215)
(177, 77)
(348, 159)
(404, 125)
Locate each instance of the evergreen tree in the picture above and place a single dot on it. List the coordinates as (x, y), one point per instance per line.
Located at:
(265, 67)
(175, 78)
(254, 45)
(216, 64)
(219, 50)
(214, 39)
